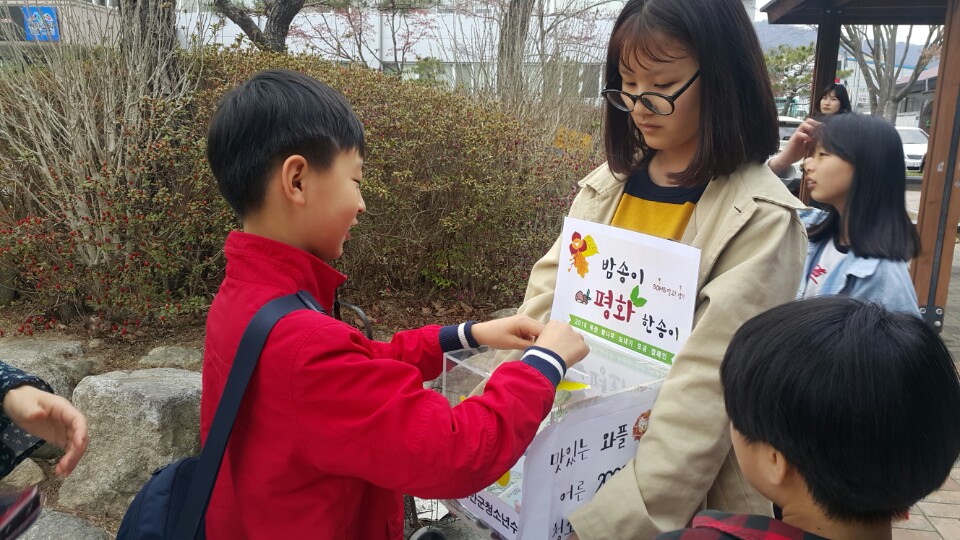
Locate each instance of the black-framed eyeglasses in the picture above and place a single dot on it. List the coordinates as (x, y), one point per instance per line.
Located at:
(655, 102)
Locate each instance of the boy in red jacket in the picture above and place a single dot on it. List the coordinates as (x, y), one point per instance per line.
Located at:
(333, 426)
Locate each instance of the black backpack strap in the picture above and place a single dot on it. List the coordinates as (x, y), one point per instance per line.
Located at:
(248, 353)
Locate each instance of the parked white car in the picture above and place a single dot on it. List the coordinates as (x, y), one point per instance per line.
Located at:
(791, 177)
(914, 147)
(788, 125)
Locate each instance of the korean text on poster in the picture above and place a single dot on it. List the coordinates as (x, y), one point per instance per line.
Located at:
(632, 291)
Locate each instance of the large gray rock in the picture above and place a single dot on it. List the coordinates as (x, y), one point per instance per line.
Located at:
(173, 357)
(139, 420)
(53, 525)
(27, 473)
(48, 451)
(58, 362)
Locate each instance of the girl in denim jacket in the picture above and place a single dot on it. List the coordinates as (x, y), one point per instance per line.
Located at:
(863, 239)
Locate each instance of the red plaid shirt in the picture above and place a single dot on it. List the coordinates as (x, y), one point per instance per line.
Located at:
(712, 525)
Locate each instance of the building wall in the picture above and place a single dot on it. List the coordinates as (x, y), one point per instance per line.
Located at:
(86, 23)
(464, 40)
(465, 45)
(914, 110)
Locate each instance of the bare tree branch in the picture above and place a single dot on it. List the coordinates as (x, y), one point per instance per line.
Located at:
(279, 13)
(886, 69)
(241, 18)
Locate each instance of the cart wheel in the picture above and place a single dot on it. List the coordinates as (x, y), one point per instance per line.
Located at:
(428, 533)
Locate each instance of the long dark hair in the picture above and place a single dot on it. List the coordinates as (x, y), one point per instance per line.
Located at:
(843, 97)
(877, 221)
(738, 116)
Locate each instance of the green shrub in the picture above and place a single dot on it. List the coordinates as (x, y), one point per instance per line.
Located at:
(461, 202)
(106, 203)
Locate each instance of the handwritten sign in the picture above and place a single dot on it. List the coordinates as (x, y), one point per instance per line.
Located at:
(568, 462)
(574, 457)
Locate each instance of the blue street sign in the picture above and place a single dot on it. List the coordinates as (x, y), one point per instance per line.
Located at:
(40, 23)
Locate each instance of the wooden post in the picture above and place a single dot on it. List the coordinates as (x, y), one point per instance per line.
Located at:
(940, 191)
(825, 66)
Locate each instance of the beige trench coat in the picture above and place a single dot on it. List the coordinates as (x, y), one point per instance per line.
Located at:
(752, 252)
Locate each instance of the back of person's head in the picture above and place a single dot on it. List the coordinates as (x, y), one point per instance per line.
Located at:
(838, 90)
(738, 115)
(877, 220)
(270, 117)
(863, 402)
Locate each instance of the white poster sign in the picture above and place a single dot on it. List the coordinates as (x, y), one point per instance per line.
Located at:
(633, 291)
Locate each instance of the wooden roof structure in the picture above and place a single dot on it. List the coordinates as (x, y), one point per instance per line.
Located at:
(858, 11)
(940, 190)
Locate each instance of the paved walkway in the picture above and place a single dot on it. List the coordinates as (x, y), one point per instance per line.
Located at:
(938, 516)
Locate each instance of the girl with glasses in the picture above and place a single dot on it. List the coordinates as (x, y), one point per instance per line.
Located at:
(689, 121)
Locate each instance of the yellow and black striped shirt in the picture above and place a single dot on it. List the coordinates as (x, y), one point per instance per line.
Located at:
(656, 210)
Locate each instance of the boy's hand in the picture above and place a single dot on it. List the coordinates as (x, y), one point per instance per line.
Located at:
(516, 332)
(562, 339)
(52, 418)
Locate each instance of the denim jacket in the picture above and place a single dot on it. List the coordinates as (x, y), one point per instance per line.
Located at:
(882, 281)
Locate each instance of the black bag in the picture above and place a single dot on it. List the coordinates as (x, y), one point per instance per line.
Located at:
(172, 504)
(18, 511)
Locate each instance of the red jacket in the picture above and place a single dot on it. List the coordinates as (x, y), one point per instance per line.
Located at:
(334, 427)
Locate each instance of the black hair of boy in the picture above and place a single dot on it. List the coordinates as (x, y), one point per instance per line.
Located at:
(843, 97)
(877, 221)
(863, 402)
(270, 117)
(738, 115)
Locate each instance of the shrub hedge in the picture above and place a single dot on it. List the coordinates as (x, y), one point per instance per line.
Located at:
(461, 201)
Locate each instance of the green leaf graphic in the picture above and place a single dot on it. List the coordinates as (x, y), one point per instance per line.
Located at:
(635, 297)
